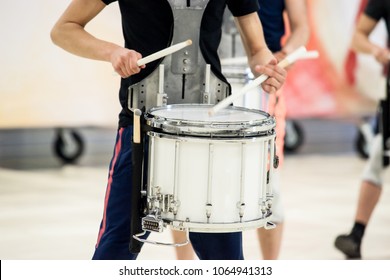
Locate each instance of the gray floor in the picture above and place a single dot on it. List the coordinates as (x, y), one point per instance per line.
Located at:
(52, 211)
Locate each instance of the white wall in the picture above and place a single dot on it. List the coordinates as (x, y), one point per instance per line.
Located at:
(41, 85)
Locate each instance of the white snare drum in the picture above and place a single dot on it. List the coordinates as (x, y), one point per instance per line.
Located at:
(209, 174)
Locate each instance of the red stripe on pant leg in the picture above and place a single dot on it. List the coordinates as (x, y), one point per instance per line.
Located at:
(116, 153)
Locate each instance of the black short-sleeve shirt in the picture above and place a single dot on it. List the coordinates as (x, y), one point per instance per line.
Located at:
(271, 16)
(379, 9)
(147, 28)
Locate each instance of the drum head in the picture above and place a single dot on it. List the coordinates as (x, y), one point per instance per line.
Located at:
(194, 120)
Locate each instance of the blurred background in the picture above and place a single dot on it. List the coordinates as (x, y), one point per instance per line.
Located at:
(58, 120)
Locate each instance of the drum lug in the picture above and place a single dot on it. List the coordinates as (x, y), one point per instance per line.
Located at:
(276, 161)
(269, 202)
(154, 199)
(162, 202)
(265, 208)
(269, 225)
(165, 202)
(209, 207)
(241, 207)
(174, 205)
(168, 204)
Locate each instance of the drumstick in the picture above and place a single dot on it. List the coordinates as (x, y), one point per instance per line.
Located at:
(137, 126)
(291, 58)
(163, 52)
(243, 60)
(310, 55)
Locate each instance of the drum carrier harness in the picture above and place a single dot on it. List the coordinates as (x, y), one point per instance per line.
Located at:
(188, 77)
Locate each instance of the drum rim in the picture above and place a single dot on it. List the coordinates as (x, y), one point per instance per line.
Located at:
(208, 128)
(214, 138)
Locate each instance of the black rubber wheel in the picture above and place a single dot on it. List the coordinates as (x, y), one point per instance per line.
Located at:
(361, 145)
(370, 125)
(68, 145)
(294, 137)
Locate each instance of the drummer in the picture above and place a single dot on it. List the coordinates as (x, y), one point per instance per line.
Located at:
(147, 28)
(271, 240)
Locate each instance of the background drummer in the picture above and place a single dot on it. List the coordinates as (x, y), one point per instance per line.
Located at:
(271, 15)
(147, 26)
(372, 178)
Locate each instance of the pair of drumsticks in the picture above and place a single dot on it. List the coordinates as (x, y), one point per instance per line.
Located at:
(300, 53)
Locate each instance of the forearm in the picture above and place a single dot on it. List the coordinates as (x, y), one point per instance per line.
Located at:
(73, 38)
(299, 24)
(253, 40)
(69, 33)
(299, 37)
(261, 60)
(361, 43)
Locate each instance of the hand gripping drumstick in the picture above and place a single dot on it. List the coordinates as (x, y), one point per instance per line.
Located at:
(299, 53)
(163, 52)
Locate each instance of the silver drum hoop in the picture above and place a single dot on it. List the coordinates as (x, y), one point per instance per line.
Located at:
(193, 120)
(221, 227)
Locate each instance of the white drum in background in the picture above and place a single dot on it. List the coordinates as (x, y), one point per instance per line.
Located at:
(209, 174)
(238, 76)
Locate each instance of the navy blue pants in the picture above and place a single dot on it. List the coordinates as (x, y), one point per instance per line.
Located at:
(114, 234)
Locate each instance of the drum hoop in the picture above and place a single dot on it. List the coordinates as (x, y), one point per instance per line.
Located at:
(222, 227)
(214, 138)
(211, 129)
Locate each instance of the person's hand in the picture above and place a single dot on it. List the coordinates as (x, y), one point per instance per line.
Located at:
(382, 55)
(276, 74)
(124, 62)
(280, 55)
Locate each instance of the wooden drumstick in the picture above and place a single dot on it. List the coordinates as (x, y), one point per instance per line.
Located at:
(137, 126)
(291, 58)
(163, 52)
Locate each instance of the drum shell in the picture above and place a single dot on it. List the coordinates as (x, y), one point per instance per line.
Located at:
(208, 175)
